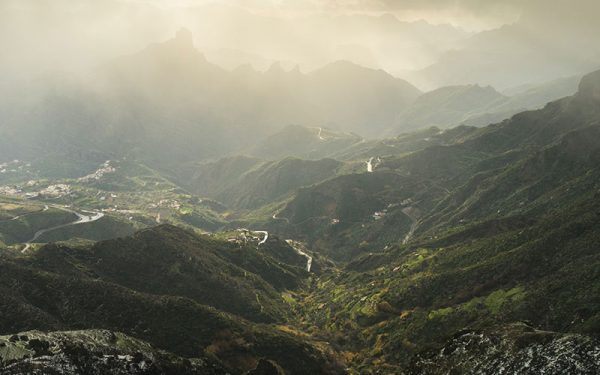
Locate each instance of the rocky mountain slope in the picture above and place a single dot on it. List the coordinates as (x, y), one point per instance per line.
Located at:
(513, 349)
(92, 352)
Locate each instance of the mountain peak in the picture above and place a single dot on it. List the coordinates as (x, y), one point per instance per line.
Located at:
(275, 68)
(185, 37)
(589, 86)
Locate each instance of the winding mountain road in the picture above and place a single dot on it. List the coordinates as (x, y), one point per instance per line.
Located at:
(320, 136)
(26, 214)
(309, 259)
(265, 238)
(409, 211)
(275, 217)
(81, 219)
(370, 165)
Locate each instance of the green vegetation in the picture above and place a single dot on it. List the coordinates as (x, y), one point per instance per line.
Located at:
(161, 285)
(24, 227)
(487, 236)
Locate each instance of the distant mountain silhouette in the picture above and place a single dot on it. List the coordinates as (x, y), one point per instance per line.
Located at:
(509, 56)
(475, 105)
(167, 103)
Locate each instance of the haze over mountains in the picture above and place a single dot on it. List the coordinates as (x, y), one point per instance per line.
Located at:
(308, 57)
(204, 111)
(198, 102)
(464, 233)
(462, 43)
(307, 187)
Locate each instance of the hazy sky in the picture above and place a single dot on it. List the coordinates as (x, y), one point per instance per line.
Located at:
(468, 14)
(76, 34)
(473, 15)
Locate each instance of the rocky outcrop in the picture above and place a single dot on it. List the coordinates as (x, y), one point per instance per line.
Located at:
(92, 352)
(512, 349)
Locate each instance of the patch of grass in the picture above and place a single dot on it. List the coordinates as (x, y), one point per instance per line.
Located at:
(495, 301)
(439, 313)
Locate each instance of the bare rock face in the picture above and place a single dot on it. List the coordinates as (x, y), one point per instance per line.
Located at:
(512, 349)
(91, 352)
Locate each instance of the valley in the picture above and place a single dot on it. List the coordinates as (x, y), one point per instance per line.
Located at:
(267, 187)
(446, 239)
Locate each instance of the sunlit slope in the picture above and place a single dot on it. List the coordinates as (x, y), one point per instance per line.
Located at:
(500, 236)
(484, 173)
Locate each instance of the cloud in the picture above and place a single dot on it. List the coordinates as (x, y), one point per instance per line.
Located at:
(469, 14)
(78, 34)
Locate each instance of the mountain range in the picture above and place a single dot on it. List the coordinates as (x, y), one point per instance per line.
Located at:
(202, 111)
(246, 222)
(478, 231)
